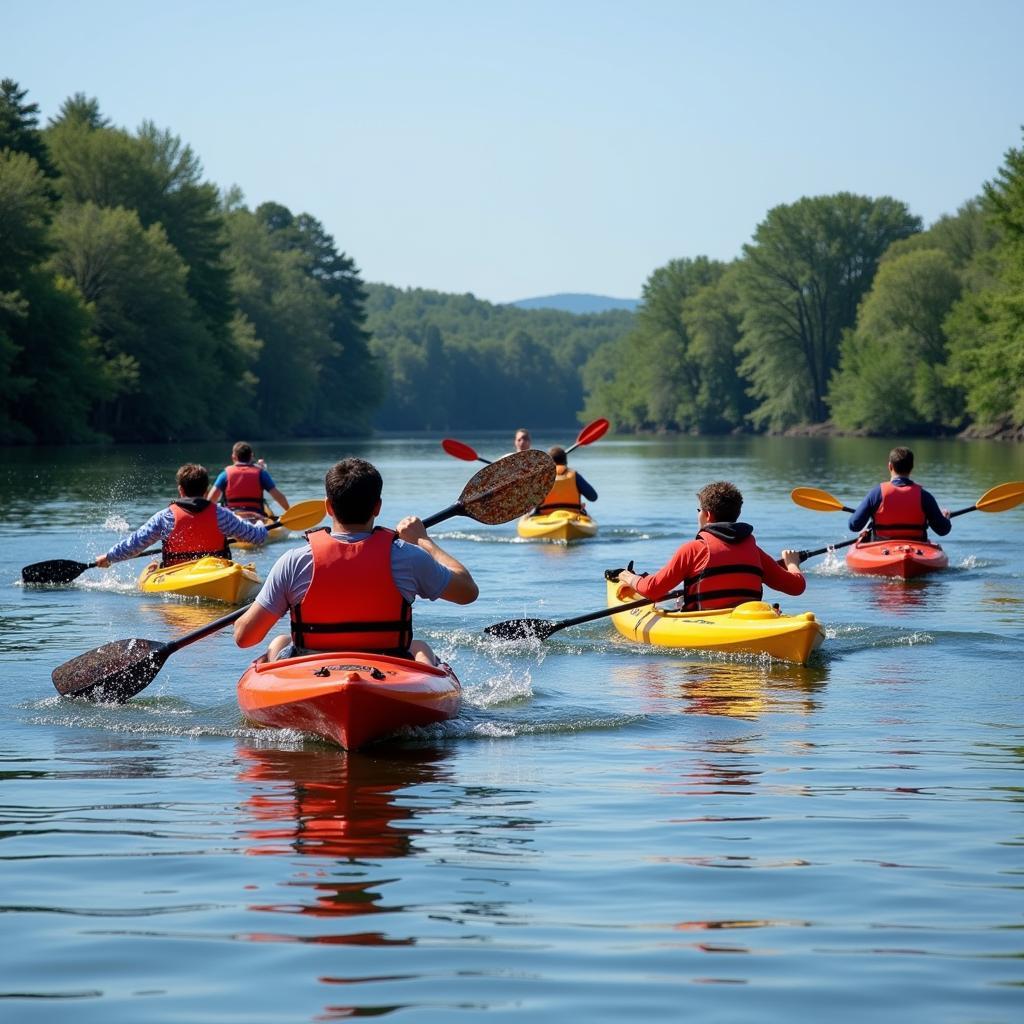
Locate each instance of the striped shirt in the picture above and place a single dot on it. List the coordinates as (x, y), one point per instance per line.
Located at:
(159, 527)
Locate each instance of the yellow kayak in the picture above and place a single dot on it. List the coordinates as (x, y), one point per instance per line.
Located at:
(213, 579)
(562, 524)
(274, 534)
(754, 627)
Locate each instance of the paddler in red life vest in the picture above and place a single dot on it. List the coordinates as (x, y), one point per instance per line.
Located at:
(243, 483)
(724, 566)
(899, 509)
(351, 588)
(569, 488)
(191, 527)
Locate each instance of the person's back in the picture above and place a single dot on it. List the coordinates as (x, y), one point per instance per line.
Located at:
(243, 484)
(569, 488)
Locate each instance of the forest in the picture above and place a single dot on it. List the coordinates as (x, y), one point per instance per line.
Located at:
(141, 302)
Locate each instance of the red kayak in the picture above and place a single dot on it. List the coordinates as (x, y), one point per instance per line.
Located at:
(347, 697)
(901, 558)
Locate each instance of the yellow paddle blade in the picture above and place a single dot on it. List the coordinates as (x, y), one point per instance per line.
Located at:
(304, 515)
(815, 500)
(999, 499)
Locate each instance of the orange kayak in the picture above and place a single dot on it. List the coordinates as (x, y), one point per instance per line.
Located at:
(905, 559)
(348, 697)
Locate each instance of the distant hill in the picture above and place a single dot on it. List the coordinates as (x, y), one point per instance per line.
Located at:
(574, 302)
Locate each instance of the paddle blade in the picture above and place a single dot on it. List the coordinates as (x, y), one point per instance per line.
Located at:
(508, 488)
(520, 629)
(459, 450)
(304, 515)
(591, 432)
(816, 500)
(1001, 498)
(58, 570)
(112, 673)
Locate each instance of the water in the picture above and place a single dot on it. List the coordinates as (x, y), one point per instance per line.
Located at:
(606, 833)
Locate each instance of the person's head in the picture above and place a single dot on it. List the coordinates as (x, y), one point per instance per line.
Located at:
(353, 490)
(522, 441)
(241, 451)
(558, 456)
(192, 479)
(901, 461)
(721, 501)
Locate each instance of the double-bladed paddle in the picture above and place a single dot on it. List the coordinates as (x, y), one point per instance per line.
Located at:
(590, 433)
(119, 670)
(302, 516)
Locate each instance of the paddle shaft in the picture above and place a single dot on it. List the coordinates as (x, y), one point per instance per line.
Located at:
(605, 612)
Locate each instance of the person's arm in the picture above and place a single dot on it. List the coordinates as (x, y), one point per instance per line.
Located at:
(157, 527)
(232, 525)
(938, 519)
(461, 588)
(267, 483)
(688, 560)
(865, 510)
(279, 498)
(786, 578)
(286, 585)
(220, 485)
(586, 490)
(254, 625)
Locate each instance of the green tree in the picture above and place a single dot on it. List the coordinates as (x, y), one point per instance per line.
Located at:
(19, 129)
(800, 282)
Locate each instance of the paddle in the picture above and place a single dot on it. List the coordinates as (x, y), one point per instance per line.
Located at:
(119, 670)
(462, 451)
(995, 499)
(588, 435)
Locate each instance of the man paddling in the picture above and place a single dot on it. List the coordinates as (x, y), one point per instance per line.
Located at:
(899, 509)
(243, 483)
(191, 527)
(352, 588)
(723, 566)
(522, 442)
(569, 488)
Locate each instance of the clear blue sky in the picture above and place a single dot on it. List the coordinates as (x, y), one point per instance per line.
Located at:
(514, 149)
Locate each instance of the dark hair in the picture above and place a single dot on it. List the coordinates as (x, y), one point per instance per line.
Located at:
(193, 480)
(353, 489)
(558, 456)
(242, 451)
(902, 460)
(722, 499)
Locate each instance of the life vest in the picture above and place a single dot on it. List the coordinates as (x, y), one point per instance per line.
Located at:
(243, 489)
(352, 603)
(195, 534)
(733, 575)
(900, 516)
(564, 493)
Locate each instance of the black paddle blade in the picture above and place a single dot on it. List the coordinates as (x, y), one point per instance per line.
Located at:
(508, 488)
(57, 570)
(520, 629)
(112, 673)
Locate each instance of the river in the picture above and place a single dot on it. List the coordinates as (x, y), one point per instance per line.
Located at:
(606, 833)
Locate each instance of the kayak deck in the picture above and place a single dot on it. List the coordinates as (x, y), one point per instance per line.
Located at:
(754, 627)
(562, 524)
(350, 698)
(213, 579)
(900, 558)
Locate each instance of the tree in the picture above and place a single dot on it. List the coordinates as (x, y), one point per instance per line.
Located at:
(19, 129)
(800, 282)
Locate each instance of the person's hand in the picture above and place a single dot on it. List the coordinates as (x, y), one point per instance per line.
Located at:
(946, 512)
(411, 530)
(261, 463)
(791, 558)
(102, 561)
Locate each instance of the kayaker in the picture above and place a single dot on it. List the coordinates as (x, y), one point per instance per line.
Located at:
(723, 566)
(191, 527)
(569, 488)
(352, 588)
(521, 443)
(243, 484)
(899, 509)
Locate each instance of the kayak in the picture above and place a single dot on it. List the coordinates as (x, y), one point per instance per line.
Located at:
(274, 534)
(347, 697)
(562, 524)
(754, 627)
(902, 558)
(214, 579)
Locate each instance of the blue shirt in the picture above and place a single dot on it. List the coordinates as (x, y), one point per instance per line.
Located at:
(159, 527)
(221, 483)
(865, 511)
(586, 490)
(414, 571)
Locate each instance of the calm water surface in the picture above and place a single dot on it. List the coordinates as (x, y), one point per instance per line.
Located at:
(606, 833)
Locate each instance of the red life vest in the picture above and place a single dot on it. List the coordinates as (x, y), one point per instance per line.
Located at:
(243, 489)
(900, 516)
(352, 603)
(195, 534)
(564, 493)
(733, 575)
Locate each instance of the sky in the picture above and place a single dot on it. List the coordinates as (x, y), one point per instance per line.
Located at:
(519, 149)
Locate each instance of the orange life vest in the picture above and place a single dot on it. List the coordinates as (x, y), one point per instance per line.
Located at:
(564, 493)
(352, 603)
(195, 534)
(243, 489)
(900, 516)
(733, 575)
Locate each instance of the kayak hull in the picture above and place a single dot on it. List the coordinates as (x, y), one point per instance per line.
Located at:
(211, 579)
(754, 627)
(902, 559)
(349, 698)
(562, 525)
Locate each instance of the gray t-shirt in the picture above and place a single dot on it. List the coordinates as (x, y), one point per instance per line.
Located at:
(414, 571)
